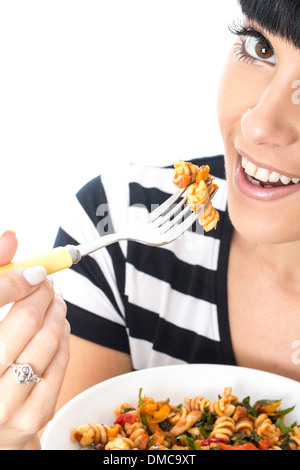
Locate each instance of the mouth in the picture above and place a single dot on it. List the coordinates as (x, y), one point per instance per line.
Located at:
(263, 183)
(264, 177)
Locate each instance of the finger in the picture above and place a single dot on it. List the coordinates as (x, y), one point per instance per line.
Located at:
(38, 353)
(18, 284)
(22, 322)
(39, 406)
(54, 374)
(8, 247)
(43, 346)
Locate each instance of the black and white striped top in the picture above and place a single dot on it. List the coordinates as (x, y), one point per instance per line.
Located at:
(165, 305)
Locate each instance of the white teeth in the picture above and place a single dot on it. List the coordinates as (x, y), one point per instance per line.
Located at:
(264, 175)
(285, 180)
(253, 181)
(244, 162)
(274, 177)
(250, 169)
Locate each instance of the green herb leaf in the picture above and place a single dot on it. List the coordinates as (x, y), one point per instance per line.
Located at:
(267, 402)
(283, 428)
(204, 433)
(190, 442)
(285, 444)
(144, 420)
(287, 411)
(141, 399)
(165, 425)
(126, 409)
(246, 401)
(178, 408)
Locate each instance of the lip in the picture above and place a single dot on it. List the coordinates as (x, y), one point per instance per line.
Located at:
(262, 165)
(259, 192)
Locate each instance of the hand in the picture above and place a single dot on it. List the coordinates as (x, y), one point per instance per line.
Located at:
(34, 332)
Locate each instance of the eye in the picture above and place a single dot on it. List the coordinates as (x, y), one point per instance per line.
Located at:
(259, 49)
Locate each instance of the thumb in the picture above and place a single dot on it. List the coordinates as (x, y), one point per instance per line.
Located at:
(8, 247)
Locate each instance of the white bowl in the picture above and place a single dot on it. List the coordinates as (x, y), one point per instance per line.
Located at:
(96, 405)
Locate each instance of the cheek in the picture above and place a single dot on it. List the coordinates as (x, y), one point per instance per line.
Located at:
(233, 98)
(232, 103)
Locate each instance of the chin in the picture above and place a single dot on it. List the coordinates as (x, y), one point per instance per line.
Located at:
(261, 229)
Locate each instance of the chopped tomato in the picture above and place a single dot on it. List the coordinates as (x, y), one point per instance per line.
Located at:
(126, 418)
(211, 440)
(226, 446)
(241, 412)
(247, 446)
(143, 441)
(264, 444)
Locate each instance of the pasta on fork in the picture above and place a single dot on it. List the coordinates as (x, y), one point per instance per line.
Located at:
(200, 186)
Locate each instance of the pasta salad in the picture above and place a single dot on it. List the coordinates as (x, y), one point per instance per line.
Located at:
(198, 423)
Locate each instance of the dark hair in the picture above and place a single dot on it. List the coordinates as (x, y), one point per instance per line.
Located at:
(281, 17)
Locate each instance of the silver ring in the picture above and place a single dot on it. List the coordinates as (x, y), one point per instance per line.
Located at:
(24, 374)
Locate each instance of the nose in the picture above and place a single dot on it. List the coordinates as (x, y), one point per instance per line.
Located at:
(274, 119)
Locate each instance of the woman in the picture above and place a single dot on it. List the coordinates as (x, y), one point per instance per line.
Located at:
(228, 297)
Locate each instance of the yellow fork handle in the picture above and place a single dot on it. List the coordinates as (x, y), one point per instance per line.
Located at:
(53, 261)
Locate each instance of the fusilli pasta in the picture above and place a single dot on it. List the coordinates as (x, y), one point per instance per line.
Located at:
(199, 424)
(199, 184)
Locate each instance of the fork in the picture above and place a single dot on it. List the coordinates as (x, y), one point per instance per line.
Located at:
(162, 226)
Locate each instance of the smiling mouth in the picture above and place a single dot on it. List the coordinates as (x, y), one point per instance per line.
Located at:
(265, 178)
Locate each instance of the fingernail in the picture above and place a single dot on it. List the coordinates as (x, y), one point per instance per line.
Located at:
(8, 231)
(35, 275)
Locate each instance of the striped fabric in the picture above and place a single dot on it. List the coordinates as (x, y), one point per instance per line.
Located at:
(165, 305)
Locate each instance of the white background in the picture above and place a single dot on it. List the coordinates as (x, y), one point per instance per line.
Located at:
(87, 84)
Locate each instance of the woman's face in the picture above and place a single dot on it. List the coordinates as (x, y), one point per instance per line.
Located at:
(259, 116)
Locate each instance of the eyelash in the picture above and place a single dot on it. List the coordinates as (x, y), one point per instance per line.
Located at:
(241, 54)
(239, 30)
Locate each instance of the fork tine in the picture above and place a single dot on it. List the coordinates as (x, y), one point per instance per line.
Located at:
(165, 205)
(153, 215)
(175, 232)
(161, 220)
(167, 223)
